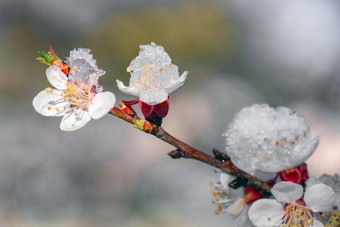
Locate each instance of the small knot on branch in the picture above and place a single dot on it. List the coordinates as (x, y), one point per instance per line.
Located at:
(240, 181)
(176, 154)
(220, 156)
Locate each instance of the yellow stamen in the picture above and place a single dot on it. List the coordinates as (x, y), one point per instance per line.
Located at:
(128, 69)
(49, 108)
(48, 90)
(74, 68)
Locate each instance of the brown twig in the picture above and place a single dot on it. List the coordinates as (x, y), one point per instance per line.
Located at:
(184, 150)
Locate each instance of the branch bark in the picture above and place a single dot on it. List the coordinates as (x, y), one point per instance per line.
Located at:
(186, 151)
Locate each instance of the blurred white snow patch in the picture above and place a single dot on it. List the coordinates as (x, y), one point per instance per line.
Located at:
(293, 43)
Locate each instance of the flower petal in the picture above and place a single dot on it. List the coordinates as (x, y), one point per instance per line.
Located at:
(287, 192)
(153, 97)
(266, 212)
(225, 179)
(50, 103)
(317, 224)
(101, 104)
(236, 208)
(56, 77)
(242, 220)
(319, 198)
(270, 166)
(131, 90)
(303, 151)
(176, 84)
(75, 120)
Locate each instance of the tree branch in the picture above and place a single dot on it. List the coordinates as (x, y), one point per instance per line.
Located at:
(221, 161)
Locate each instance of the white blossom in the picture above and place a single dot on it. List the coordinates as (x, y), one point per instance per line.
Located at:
(77, 97)
(153, 76)
(271, 212)
(231, 201)
(267, 139)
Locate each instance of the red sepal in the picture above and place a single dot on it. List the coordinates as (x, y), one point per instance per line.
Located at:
(162, 109)
(145, 108)
(292, 175)
(62, 66)
(251, 194)
(130, 103)
(304, 171)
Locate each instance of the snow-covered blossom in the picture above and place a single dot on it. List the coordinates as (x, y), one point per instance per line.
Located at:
(297, 211)
(153, 76)
(267, 139)
(77, 96)
(231, 201)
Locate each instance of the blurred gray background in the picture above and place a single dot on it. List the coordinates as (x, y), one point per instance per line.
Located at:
(238, 52)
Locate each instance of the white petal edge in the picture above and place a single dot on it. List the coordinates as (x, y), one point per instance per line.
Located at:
(270, 166)
(131, 90)
(225, 179)
(266, 213)
(242, 220)
(287, 192)
(301, 154)
(236, 208)
(319, 198)
(75, 121)
(101, 104)
(177, 84)
(56, 77)
(48, 104)
(317, 224)
(153, 97)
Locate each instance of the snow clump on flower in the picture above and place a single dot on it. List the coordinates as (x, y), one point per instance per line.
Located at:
(267, 139)
(153, 76)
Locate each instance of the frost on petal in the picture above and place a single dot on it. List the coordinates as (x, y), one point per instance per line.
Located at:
(266, 213)
(75, 120)
(319, 198)
(153, 97)
(260, 134)
(50, 103)
(287, 192)
(131, 90)
(56, 77)
(82, 66)
(101, 104)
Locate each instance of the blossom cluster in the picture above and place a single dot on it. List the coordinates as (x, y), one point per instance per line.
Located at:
(78, 96)
(263, 139)
(259, 139)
